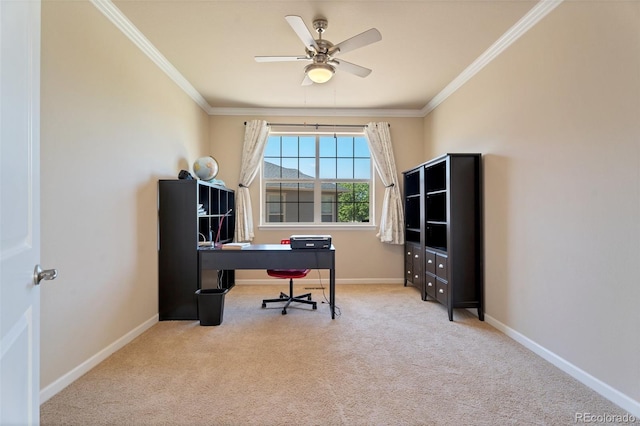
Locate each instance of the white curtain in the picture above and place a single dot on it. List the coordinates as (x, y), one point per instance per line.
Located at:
(255, 139)
(391, 229)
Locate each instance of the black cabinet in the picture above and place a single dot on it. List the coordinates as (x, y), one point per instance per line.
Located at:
(443, 222)
(190, 213)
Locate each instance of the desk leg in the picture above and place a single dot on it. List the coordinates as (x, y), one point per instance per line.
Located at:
(332, 292)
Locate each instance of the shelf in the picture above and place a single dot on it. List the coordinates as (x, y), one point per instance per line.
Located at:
(436, 236)
(436, 206)
(412, 183)
(435, 177)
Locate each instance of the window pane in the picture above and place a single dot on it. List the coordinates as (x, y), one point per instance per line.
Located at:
(308, 167)
(345, 147)
(327, 168)
(274, 197)
(306, 212)
(327, 146)
(289, 146)
(361, 147)
(272, 149)
(271, 168)
(290, 168)
(353, 202)
(362, 168)
(345, 168)
(308, 146)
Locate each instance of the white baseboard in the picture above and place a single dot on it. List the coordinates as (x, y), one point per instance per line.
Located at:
(73, 375)
(624, 401)
(325, 282)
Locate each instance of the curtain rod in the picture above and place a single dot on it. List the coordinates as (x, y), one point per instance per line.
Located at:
(314, 125)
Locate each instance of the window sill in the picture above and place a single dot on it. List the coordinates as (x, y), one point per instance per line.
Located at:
(319, 227)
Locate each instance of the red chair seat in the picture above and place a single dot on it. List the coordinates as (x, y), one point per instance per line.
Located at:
(288, 273)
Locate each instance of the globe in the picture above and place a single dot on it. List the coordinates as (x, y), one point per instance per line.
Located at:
(205, 168)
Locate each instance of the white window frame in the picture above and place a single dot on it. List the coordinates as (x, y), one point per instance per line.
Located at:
(318, 192)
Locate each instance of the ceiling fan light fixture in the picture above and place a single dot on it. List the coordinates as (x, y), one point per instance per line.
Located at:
(319, 73)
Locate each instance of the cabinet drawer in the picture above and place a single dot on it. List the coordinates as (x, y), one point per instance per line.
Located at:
(430, 261)
(413, 264)
(408, 263)
(408, 273)
(418, 265)
(442, 269)
(442, 292)
(430, 284)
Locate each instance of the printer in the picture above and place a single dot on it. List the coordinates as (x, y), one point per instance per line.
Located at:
(310, 241)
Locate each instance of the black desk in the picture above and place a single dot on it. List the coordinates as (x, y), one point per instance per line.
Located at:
(272, 256)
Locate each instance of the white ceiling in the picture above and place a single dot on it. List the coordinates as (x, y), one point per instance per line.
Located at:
(425, 45)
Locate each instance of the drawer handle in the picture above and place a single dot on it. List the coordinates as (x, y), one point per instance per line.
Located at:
(429, 261)
(430, 284)
(416, 256)
(440, 265)
(441, 291)
(416, 276)
(409, 272)
(408, 253)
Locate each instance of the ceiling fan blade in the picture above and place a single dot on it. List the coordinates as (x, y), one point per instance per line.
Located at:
(350, 68)
(355, 42)
(281, 58)
(306, 81)
(302, 31)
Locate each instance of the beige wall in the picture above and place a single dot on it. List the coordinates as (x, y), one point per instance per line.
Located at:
(112, 124)
(361, 257)
(557, 116)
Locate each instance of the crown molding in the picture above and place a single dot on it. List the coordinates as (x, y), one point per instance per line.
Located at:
(317, 112)
(539, 11)
(131, 31)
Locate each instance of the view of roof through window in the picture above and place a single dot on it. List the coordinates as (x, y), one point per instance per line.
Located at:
(316, 179)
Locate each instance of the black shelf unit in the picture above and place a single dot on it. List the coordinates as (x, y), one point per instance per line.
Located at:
(444, 237)
(182, 227)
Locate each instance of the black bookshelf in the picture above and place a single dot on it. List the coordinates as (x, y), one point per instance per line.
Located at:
(443, 230)
(190, 213)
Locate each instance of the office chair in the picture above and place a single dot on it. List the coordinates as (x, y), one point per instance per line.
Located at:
(289, 274)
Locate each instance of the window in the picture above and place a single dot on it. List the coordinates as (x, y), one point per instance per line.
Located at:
(316, 179)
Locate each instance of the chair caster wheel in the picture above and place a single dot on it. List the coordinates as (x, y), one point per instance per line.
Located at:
(264, 305)
(284, 312)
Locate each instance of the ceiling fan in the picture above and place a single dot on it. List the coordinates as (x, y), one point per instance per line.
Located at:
(322, 53)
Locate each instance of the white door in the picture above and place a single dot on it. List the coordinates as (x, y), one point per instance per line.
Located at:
(19, 211)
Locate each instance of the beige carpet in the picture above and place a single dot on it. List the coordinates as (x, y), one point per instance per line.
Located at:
(388, 359)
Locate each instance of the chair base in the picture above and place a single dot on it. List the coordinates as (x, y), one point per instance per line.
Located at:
(289, 298)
